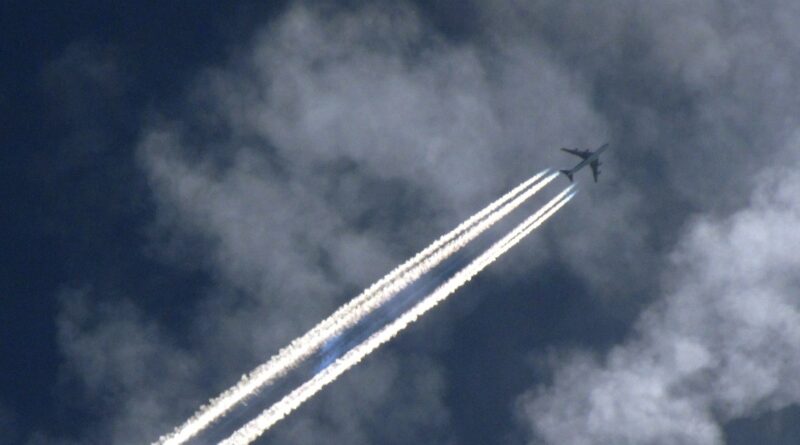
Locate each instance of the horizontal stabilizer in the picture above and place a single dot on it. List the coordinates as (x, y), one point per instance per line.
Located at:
(568, 173)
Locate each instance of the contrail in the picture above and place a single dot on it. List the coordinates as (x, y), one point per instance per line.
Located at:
(253, 429)
(350, 313)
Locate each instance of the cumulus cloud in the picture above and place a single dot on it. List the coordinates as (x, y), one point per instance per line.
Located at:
(725, 342)
(369, 109)
(124, 365)
(700, 92)
(680, 82)
(338, 142)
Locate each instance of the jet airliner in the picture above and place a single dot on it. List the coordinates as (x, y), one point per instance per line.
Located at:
(592, 158)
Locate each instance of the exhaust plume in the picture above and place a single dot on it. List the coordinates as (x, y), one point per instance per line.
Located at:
(350, 313)
(253, 429)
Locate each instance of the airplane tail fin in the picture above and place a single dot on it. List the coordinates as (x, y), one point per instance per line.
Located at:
(568, 173)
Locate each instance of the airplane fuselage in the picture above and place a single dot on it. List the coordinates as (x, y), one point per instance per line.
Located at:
(588, 157)
(593, 157)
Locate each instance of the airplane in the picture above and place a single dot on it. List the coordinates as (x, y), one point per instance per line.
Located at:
(592, 158)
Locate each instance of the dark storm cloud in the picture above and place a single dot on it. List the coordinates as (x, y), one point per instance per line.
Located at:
(338, 142)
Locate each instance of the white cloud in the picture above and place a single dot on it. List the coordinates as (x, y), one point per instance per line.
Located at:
(347, 150)
(724, 343)
(349, 140)
(125, 365)
(340, 142)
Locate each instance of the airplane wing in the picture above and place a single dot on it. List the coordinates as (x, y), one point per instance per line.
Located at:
(578, 153)
(595, 169)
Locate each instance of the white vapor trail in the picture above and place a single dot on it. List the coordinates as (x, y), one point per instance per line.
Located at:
(352, 312)
(253, 429)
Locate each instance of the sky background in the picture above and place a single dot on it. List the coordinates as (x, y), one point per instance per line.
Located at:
(188, 186)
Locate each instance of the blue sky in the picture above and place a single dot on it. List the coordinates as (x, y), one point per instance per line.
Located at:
(188, 187)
